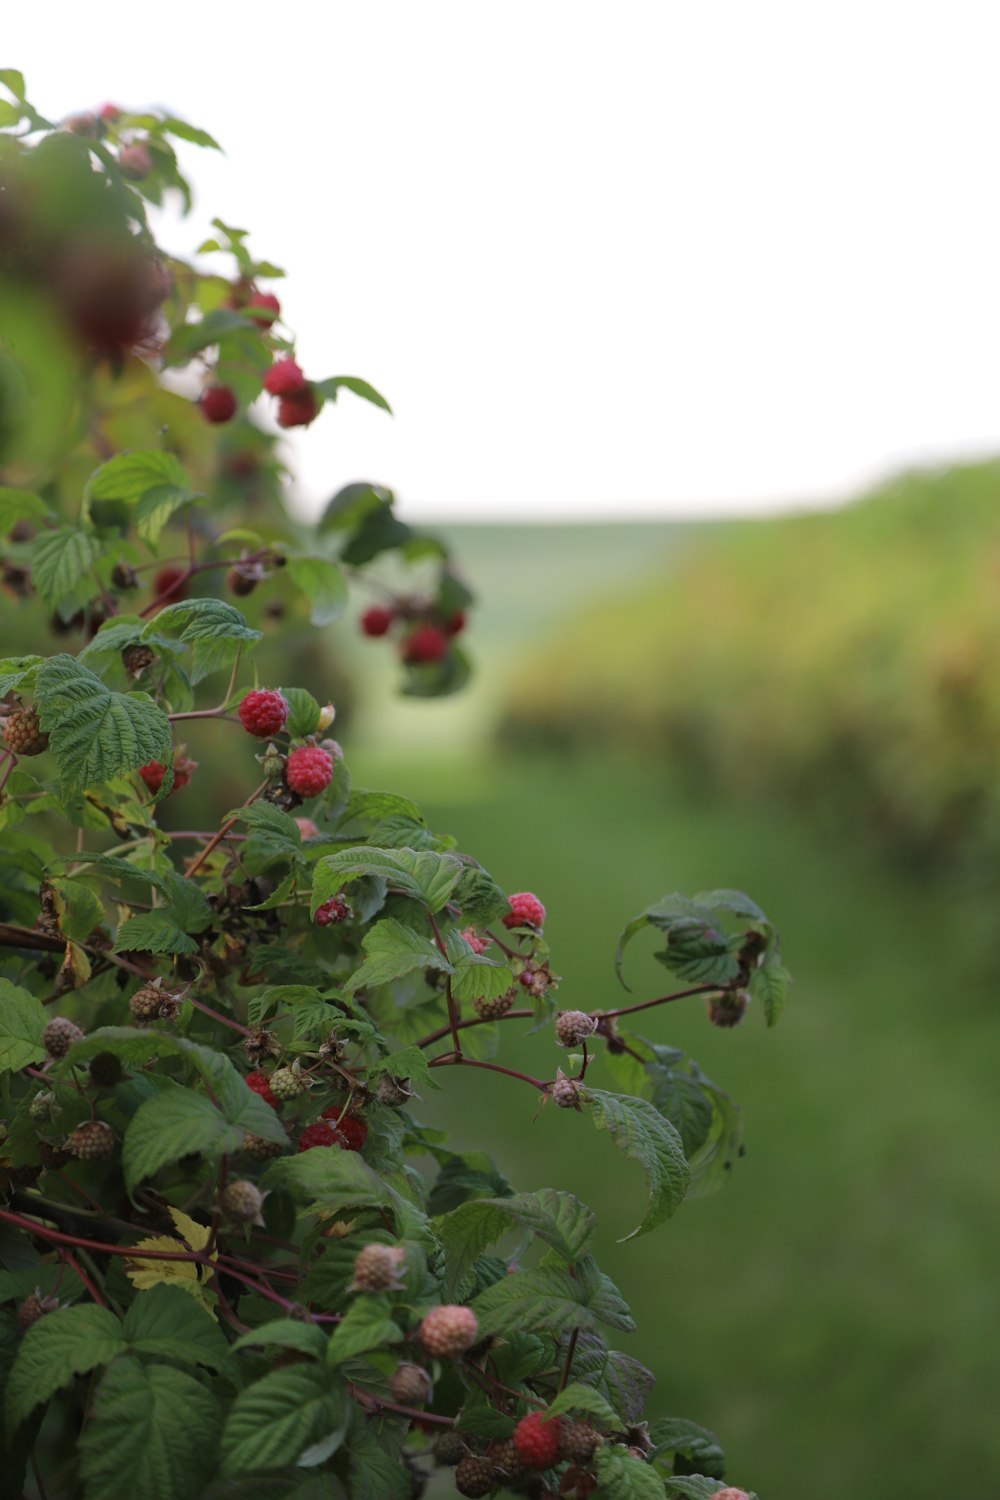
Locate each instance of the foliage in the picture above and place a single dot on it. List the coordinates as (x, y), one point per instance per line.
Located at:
(238, 1238)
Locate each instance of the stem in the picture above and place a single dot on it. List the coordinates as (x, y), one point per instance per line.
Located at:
(91, 1286)
(36, 1471)
(627, 1010)
(11, 763)
(217, 838)
(218, 1016)
(373, 1404)
(454, 1059)
(452, 1008)
(510, 1015)
(204, 713)
(568, 1363)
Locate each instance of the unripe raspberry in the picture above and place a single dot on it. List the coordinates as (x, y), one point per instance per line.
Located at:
(377, 620)
(574, 1027)
(428, 643)
(448, 1449)
(525, 911)
(170, 585)
(136, 658)
(475, 940)
(287, 1083)
(259, 1149)
(729, 1008)
(42, 1106)
(135, 161)
(730, 1493)
(241, 1203)
(537, 1439)
(537, 981)
(507, 1459)
(218, 403)
(309, 770)
(491, 1010)
(23, 733)
(106, 1070)
(580, 1442)
(298, 410)
(284, 378)
(147, 1003)
(410, 1385)
(448, 1330)
(264, 308)
(351, 1132)
(261, 1084)
(34, 1307)
(377, 1268)
(474, 1476)
(566, 1091)
(60, 1035)
(263, 713)
(91, 1141)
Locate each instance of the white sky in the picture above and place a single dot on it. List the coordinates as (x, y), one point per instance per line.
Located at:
(603, 259)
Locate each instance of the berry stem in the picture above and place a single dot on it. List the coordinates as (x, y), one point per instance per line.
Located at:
(568, 1362)
(91, 1286)
(627, 1010)
(454, 1059)
(510, 1015)
(218, 1016)
(217, 838)
(452, 1007)
(373, 1404)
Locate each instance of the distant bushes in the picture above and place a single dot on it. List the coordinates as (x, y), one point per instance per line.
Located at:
(849, 661)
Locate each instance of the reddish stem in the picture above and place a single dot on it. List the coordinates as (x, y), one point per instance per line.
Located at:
(627, 1010)
(510, 1015)
(455, 1059)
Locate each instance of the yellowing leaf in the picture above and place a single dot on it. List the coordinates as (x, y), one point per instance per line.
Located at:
(186, 1274)
(196, 1236)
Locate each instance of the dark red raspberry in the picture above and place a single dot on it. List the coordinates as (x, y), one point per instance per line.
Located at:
(260, 1085)
(352, 1132)
(309, 770)
(321, 1133)
(170, 585)
(299, 409)
(110, 113)
(377, 620)
(456, 623)
(135, 161)
(218, 403)
(264, 308)
(284, 378)
(153, 773)
(333, 910)
(263, 713)
(537, 1439)
(475, 940)
(428, 643)
(525, 911)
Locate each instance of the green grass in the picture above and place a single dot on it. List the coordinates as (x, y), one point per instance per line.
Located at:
(833, 1312)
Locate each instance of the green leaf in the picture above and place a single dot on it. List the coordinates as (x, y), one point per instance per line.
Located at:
(643, 1135)
(155, 509)
(197, 620)
(373, 807)
(478, 977)
(218, 324)
(63, 1344)
(22, 1024)
(175, 1122)
(421, 874)
(695, 1443)
(393, 950)
(152, 1431)
(303, 712)
(128, 476)
(769, 984)
(59, 559)
(328, 1178)
(185, 132)
(545, 1300)
(377, 1469)
(583, 1398)
(94, 733)
(287, 1333)
(18, 672)
(620, 1477)
(557, 1218)
(274, 830)
(19, 505)
(366, 1325)
(170, 1322)
(153, 932)
(329, 388)
(275, 1420)
(481, 899)
(694, 1487)
(13, 79)
(322, 583)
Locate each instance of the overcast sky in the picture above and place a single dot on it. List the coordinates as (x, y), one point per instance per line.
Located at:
(603, 259)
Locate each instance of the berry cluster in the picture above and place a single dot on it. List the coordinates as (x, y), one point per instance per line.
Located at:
(424, 634)
(298, 403)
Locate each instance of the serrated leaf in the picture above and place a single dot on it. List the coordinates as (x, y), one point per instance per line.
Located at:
(128, 476)
(481, 899)
(392, 950)
(287, 1333)
(18, 672)
(153, 932)
(643, 1135)
(155, 509)
(769, 984)
(274, 1420)
(681, 1099)
(22, 1024)
(328, 1178)
(66, 1343)
(367, 1324)
(621, 1378)
(335, 383)
(478, 977)
(374, 806)
(620, 1477)
(197, 620)
(583, 1398)
(19, 505)
(59, 559)
(166, 1321)
(695, 1443)
(152, 1431)
(421, 874)
(557, 1218)
(94, 733)
(545, 1300)
(175, 1122)
(189, 338)
(322, 583)
(273, 829)
(377, 1469)
(185, 132)
(303, 712)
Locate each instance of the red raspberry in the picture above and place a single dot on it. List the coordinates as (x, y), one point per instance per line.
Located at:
(536, 1438)
(377, 620)
(308, 830)
(153, 773)
(170, 585)
(284, 378)
(218, 403)
(322, 1133)
(352, 1132)
(263, 713)
(110, 112)
(135, 161)
(525, 911)
(333, 910)
(260, 1085)
(309, 770)
(299, 409)
(730, 1493)
(428, 643)
(475, 940)
(455, 624)
(448, 1330)
(264, 308)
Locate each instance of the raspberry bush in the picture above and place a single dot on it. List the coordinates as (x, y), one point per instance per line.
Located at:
(232, 1258)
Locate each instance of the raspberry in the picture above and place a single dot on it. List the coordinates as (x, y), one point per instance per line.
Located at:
(110, 112)
(243, 578)
(574, 1027)
(106, 1070)
(261, 1084)
(33, 1308)
(59, 1036)
(491, 1010)
(153, 773)
(474, 1476)
(42, 1106)
(448, 1330)
(135, 161)
(259, 1149)
(728, 1009)
(410, 1384)
(509, 1461)
(136, 658)
(322, 1133)
(284, 378)
(124, 576)
(730, 1493)
(456, 623)
(24, 734)
(579, 1442)
(448, 1449)
(525, 911)
(394, 1091)
(263, 713)
(91, 1141)
(264, 308)
(538, 981)
(565, 1091)
(475, 940)
(308, 829)
(377, 1268)
(428, 643)
(287, 1083)
(298, 410)
(309, 770)
(377, 620)
(537, 1439)
(351, 1131)
(241, 1203)
(153, 1003)
(170, 585)
(218, 403)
